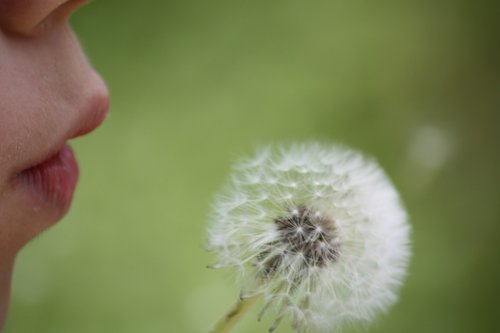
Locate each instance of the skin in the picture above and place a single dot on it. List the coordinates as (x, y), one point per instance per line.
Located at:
(48, 92)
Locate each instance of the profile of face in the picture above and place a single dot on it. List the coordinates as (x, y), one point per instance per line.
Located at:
(49, 94)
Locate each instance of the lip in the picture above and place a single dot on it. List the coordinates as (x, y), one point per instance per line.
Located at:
(93, 119)
(52, 178)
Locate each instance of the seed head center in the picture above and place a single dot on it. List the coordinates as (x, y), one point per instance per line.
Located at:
(303, 233)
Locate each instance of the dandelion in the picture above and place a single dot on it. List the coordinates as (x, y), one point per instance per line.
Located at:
(317, 231)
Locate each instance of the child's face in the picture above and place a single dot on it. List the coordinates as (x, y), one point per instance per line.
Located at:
(48, 95)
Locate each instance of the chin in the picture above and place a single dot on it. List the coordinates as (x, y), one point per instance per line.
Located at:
(24, 215)
(5, 278)
(34, 200)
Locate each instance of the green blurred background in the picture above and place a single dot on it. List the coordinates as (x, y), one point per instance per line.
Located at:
(196, 84)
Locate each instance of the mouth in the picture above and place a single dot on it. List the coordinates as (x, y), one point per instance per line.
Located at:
(53, 177)
(54, 180)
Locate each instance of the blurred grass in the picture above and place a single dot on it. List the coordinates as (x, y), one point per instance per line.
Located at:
(194, 85)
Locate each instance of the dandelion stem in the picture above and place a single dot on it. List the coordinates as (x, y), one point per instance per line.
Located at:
(227, 323)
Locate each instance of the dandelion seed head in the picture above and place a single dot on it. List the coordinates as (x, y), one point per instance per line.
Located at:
(318, 230)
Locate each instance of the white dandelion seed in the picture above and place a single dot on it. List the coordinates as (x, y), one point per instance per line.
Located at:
(325, 243)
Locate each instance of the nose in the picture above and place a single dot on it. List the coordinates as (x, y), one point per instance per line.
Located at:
(28, 17)
(64, 10)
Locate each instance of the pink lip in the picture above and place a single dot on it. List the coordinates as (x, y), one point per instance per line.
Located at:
(97, 116)
(55, 179)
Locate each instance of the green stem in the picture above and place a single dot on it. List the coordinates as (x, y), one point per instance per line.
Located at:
(227, 323)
